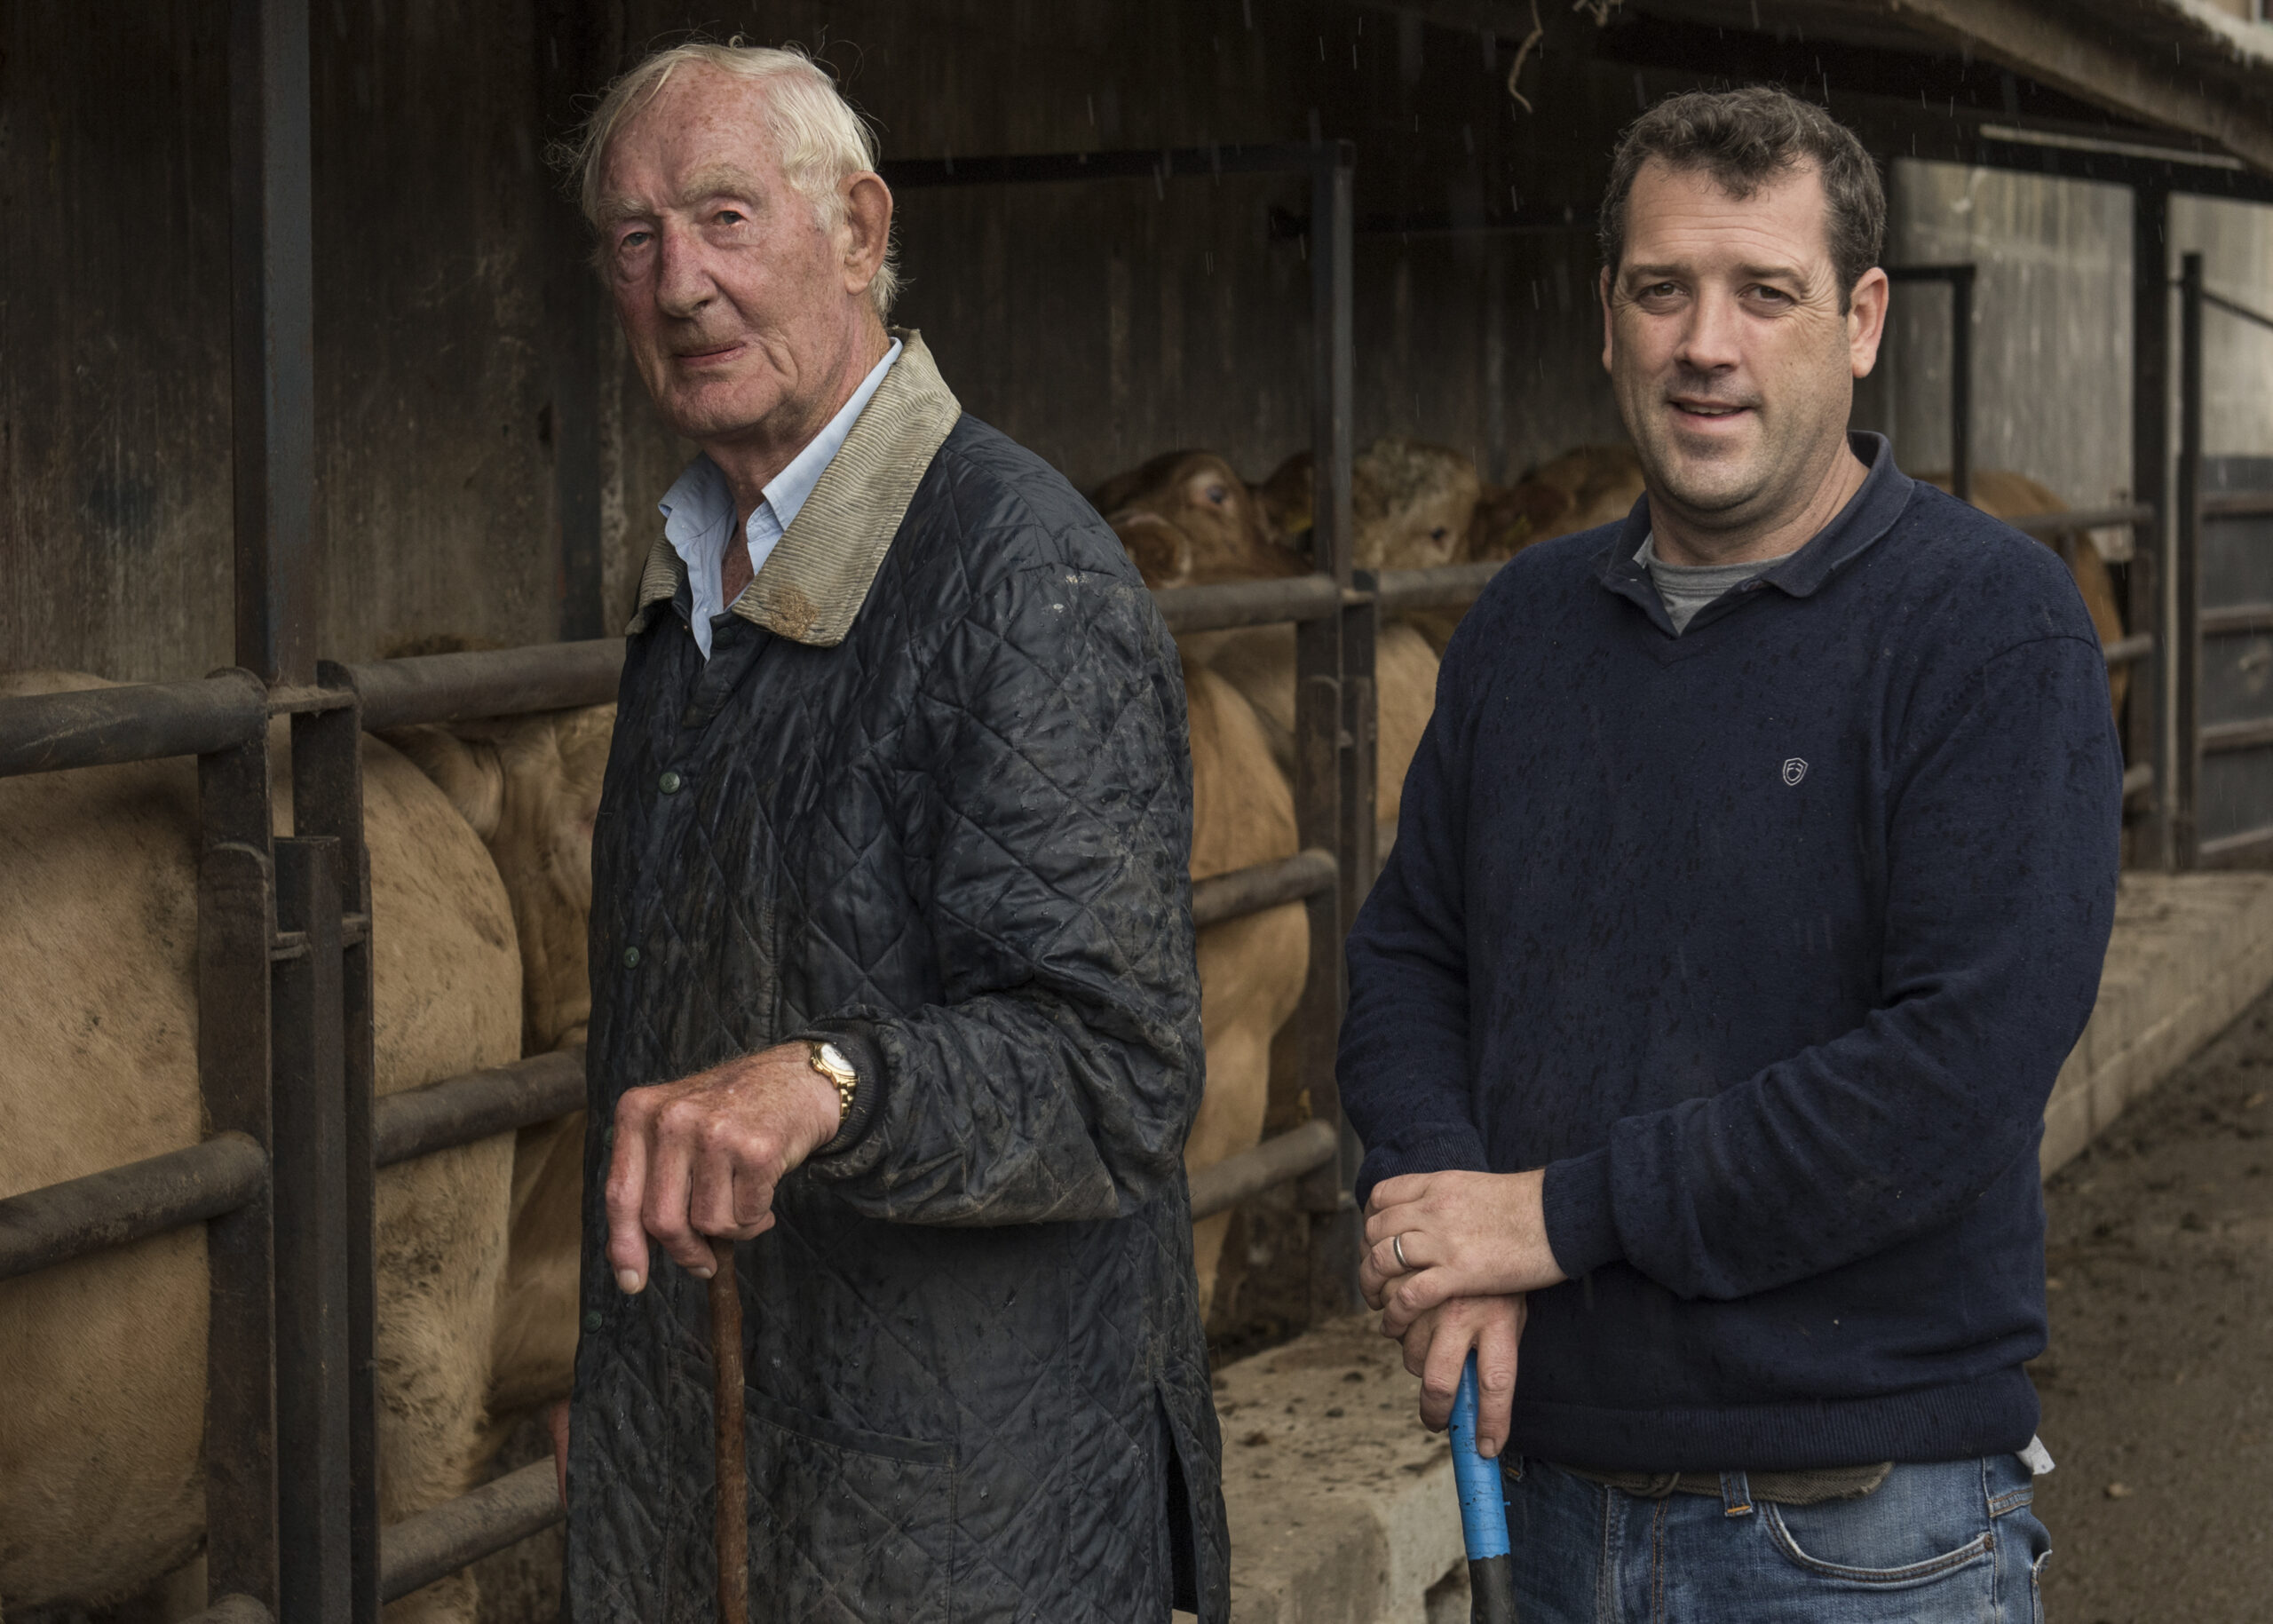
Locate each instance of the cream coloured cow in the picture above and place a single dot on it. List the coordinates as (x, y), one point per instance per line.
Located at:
(100, 1429)
(1188, 520)
(530, 787)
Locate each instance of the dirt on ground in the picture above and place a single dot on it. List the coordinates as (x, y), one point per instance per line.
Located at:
(2158, 1385)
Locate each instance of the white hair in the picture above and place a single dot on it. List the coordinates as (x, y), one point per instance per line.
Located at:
(820, 140)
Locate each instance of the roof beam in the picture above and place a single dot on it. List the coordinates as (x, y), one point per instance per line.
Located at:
(2047, 42)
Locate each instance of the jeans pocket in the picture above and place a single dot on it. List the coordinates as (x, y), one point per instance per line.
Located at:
(1922, 1524)
(849, 1524)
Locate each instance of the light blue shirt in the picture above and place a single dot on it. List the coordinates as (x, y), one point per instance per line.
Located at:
(699, 510)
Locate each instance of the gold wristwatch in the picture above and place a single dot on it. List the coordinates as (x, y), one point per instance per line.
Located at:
(830, 1061)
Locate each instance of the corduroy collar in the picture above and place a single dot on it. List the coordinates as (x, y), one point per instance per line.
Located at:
(1869, 514)
(818, 575)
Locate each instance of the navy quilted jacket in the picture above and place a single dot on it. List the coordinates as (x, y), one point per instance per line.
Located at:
(956, 843)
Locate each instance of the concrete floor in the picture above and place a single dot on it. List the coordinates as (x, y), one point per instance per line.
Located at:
(2158, 1386)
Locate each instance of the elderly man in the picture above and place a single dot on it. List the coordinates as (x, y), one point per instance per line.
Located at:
(1752, 884)
(893, 973)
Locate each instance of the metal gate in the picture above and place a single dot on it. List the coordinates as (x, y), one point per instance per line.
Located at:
(2224, 615)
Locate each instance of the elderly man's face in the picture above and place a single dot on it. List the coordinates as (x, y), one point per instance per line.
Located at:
(740, 308)
(1733, 363)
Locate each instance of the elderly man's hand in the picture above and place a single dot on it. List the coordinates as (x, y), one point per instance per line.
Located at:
(1462, 1235)
(1436, 1345)
(700, 1156)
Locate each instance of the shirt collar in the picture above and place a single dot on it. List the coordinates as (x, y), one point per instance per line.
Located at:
(700, 503)
(787, 491)
(1869, 514)
(811, 586)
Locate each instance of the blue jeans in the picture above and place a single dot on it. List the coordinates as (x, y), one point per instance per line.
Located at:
(1949, 1541)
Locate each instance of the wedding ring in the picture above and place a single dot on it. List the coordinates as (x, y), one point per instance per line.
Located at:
(1397, 1246)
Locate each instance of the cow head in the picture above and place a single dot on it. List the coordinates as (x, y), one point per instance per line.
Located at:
(1413, 502)
(1187, 519)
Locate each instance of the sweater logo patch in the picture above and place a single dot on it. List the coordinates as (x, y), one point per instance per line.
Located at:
(1794, 770)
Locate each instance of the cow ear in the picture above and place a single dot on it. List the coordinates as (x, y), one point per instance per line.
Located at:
(467, 771)
(1160, 550)
(1285, 499)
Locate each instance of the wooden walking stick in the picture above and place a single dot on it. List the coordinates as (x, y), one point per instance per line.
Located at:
(731, 1528)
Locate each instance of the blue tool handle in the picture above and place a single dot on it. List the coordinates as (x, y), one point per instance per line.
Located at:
(1483, 1514)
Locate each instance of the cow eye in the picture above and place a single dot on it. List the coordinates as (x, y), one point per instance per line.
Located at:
(1439, 532)
(1217, 495)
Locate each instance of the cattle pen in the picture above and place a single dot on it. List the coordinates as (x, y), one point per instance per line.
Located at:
(284, 1180)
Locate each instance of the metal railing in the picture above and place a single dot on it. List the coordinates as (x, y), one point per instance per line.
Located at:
(2196, 625)
(318, 1156)
(285, 1182)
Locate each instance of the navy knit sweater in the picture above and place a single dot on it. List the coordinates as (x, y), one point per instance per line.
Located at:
(1766, 942)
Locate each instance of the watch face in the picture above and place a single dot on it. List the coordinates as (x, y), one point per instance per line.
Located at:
(833, 1058)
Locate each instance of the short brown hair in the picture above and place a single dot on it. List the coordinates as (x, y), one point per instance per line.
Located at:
(1745, 139)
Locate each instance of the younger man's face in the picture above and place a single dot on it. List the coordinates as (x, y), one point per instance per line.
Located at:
(1732, 362)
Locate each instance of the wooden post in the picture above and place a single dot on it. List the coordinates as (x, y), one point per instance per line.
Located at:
(730, 1520)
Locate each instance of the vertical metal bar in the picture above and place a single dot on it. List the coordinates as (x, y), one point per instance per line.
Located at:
(1361, 740)
(315, 1491)
(327, 801)
(1333, 357)
(2150, 486)
(273, 338)
(1961, 382)
(2142, 704)
(2186, 572)
(1318, 802)
(235, 921)
(1324, 807)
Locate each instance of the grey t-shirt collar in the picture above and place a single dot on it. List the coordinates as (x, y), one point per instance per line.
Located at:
(1687, 588)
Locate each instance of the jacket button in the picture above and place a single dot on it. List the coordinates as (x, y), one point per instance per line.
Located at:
(591, 1320)
(670, 782)
(631, 958)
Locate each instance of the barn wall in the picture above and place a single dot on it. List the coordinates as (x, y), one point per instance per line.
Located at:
(114, 367)
(2236, 242)
(2051, 324)
(1099, 325)
(1103, 324)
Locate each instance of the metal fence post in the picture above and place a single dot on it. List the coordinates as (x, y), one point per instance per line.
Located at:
(327, 801)
(308, 1175)
(235, 920)
(2150, 486)
(2186, 577)
(2143, 717)
(273, 338)
(1332, 695)
(1961, 382)
(1333, 357)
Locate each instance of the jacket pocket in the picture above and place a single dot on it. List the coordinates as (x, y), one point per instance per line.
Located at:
(848, 1523)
